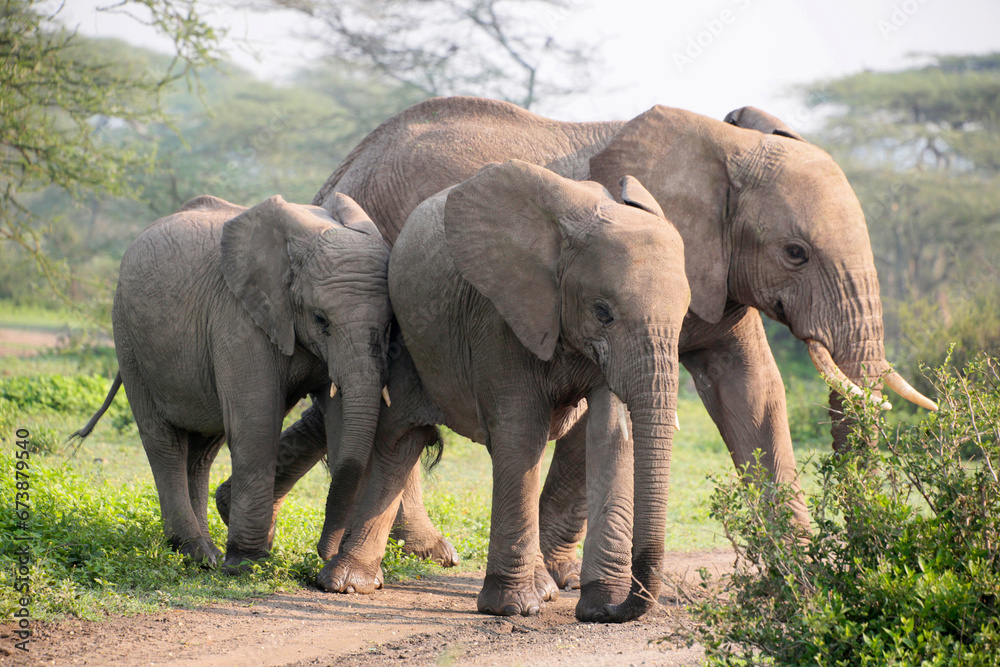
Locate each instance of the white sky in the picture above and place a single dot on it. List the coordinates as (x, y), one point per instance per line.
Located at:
(707, 56)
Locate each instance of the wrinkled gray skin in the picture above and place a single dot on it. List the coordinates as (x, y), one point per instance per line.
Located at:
(224, 318)
(607, 297)
(518, 293)
(747, 197)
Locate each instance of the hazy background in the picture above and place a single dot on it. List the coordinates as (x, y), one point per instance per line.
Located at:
(244, 99)
(644, 48)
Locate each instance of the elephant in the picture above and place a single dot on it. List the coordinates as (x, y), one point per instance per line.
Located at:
(769, 223)
(224, 318)
(518, 293)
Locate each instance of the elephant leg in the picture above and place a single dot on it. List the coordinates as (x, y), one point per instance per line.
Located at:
(253, 428)
(562, 508)
(166, 448)
(301, 446)
(202, 450)
(414, 528)
(355, 567)
(516, 582)
(606, 575)
(740, 385)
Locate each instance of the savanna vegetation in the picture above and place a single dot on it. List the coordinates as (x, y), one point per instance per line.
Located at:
(101, 138)
(903, 567)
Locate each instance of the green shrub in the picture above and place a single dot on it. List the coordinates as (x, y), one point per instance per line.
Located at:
(808, 416)
(8, 422)
(903, 566)
(972, 324)
(97, 547)
(77, 395)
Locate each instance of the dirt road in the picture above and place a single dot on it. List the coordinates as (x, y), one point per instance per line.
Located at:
(425, 622)
(25, 342)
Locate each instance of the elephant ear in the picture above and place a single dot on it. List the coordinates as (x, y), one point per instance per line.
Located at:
(351, 215)
(504, 229)
(634, 194)
(257, 266)
(752, 118)
(677, 155)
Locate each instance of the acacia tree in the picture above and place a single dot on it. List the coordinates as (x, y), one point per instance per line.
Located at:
(504, 49)
(62, 105)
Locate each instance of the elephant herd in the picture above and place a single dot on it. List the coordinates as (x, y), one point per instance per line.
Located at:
(519, 280)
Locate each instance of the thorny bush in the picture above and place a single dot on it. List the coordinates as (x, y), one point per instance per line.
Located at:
(903, 563)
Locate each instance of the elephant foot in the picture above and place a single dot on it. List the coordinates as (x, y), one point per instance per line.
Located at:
(438, 550)
(199, 549)
(343, 574)
(565, 573)
(596, 597)
(240, 560)
(223, 501)
(502, 599)
(223, 497)
(545, 585)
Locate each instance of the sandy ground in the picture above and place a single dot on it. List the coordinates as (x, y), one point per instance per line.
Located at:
(432, 621)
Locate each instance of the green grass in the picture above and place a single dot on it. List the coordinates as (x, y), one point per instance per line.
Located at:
(98, 541)
(19, 316)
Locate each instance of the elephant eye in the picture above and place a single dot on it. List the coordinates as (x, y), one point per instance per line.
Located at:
(324, 324)
(797, 254)
(603, 312)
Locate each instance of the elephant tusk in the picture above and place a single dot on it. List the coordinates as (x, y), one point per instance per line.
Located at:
(896, 382)
(835, 377)
(333, 390)
(385, 396)
(622, 420)
(677, 422)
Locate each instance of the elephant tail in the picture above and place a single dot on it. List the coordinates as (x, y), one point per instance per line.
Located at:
(77, 438)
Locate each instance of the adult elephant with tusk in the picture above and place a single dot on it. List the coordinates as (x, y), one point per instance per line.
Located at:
(769, 223)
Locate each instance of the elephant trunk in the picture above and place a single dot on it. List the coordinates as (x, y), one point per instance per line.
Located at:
(857, 358)
(361, 401)
(865, 362)
(652, 401)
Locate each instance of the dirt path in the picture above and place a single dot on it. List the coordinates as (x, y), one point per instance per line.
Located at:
(425, 622)
(26, 342)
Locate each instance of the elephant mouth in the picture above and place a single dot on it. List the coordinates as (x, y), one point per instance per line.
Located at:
(779, 313)
(823, 361)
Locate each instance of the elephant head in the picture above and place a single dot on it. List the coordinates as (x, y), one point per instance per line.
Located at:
(318, 282)
(769, 221)
(567, 266)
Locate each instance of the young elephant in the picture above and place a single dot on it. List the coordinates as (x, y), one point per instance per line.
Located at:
(224, 318)
(518, 294)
